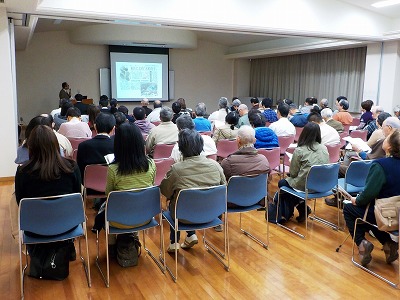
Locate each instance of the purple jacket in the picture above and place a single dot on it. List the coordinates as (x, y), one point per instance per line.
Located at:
(144, 126)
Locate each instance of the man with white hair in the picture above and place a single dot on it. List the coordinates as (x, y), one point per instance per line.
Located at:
(145, 104)
(154, 116)
(235, 104)
(244, 115)
(217, 118)
(327, 114)
(372, 126)
(396, 111)
(324, 103)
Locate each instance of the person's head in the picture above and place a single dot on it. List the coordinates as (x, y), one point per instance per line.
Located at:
(123, 109)
(396, 110)
(32, 124)
(376, 110)
(309, 101)
(391, 144)
(314, 117)
(166, 114)
(326, 114)
(381, 118)
(145, 102)
(340, 98)
(243, 109)
(65, 106)
(93, 112)
(223, 102)
(255, 102)
(367, 105)
(104, 123)
(120, 118)
(129, 150)
(286, 101)
(283, 110)
(257, 120)
(113, 102)
(139, 113)
(310, 135)
(73, 112)
(232, 119)
(246, 136)
(182, 102)
(176, 107)
(157, 104)
(190, 143)
(343, 105)
(389, 125)
(47, 120)
(267, 102)
(200, 109)
(235, 103)
(78, 97)
(65, 85)
(103, 102)
(44, 154)
(293, 109)
(184, 121)
(324, 103)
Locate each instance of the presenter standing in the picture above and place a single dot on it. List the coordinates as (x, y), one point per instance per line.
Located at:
(65, 92)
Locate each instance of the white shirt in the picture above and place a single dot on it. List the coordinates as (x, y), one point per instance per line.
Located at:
(209, 148)
(217, 118)
(55, 111)
(283, 127)
(329, 135)
(154, 116)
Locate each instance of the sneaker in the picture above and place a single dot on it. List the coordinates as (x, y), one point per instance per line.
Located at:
(391, 251)
(190, 241)
(218, 228)
(172, 247)
(365, 249)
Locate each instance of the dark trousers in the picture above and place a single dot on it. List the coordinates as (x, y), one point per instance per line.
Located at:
(352, 212)
(288, 201)
(178, 235)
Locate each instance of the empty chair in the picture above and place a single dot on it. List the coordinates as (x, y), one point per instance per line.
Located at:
(362, 134)
(162, 167)
(226, 147)
(52, 219)
(95, 179)
(137, 209)
(163, 150)
(334, 152)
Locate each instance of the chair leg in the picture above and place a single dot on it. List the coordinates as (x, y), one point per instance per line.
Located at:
(22, 269)
(106, 282)
(86, 264)
(322, 220)
(151, 254)
(253, 237)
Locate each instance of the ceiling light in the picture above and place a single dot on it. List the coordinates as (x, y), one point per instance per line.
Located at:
(385, 3)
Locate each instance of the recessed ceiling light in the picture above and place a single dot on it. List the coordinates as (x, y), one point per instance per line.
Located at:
(385, 3)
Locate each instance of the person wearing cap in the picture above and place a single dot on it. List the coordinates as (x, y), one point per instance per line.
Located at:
(269, 114)
(343, 116)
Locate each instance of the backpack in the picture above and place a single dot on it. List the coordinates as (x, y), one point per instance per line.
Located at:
(128, 250)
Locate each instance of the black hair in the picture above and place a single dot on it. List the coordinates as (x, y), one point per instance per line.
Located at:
(382, 117)
(47, 120)
(257, 119)
(123, 109)
(340, 98)
(315, 109)
(104, 97)
(314, 117)
(190, 142)
(64, 85)
(283, 109)
(344, 104)
(176, 107)
(73, 112)
(287, 101)
(78, 97)
(32, 124)
(139, 113)
(367, 105)
(129, 150)
(103, 102)
(104, 122)
(64, 107)
(232, 119)
(311, 133)
(267, 102)
(254, 100)
(120, 118)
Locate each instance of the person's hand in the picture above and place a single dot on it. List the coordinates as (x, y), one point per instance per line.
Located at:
(353, 200)
(355, 148)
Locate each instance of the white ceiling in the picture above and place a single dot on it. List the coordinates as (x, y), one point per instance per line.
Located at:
(389, 11)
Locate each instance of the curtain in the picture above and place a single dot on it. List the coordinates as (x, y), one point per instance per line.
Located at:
(327, 74)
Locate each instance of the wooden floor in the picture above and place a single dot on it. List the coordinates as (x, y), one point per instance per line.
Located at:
(291, 268)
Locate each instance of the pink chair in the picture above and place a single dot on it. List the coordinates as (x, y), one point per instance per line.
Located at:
(162, 167)
(74, 154)
(362, 134)
(95, 179)
(163, 150)
(334, 152)
(346, 128)
(273, 156)
(284, 143)
(342, 141)
(226, 147)
(156, 123)
(298, 132)
(76, 141)
(355, 122)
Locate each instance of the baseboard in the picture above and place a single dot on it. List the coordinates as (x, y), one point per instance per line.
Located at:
(5, 179)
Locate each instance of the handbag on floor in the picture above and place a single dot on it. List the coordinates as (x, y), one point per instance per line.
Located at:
(386, 213)
(128, 250)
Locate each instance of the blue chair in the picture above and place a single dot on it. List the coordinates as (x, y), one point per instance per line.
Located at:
(321, 179)
(129, 208)
(238, 194)
(200, 208)
(51, 220)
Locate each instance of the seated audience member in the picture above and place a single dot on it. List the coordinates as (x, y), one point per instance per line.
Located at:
(184, 109)
(62, 116)
(396, 111)
(269, 114)
(145, 104)
(165, 133)
(113, 105)
(324, 103)
(297, 118)
(265, 137)
(120, 118)
(244, 115)
(104, 104)
(176, 108)
(308, 105)
(309, 152)
(329, 136)
(326, 114)
(65, 92)
(82, 106)
(22, 151)
(209, 148)
(201, 124)
(93, 112)
(57, 111)
(283, 127)
(65, 144)
(245, 161)
(343, 116)
(75, 128)
(194, 171)
(227, 131)
(141, 122)
(372, 126)
(337, 103)
(217, 118)
(131, 169)
(367, 116)
(380, 183)
(255, 103)
(235, 104)
(154, 116)
(125, 111)
(93, 151)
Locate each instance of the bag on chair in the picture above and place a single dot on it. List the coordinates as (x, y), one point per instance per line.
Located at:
(386, 213)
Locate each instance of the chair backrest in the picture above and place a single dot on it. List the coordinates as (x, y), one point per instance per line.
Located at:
(76, 141)
(342, 141)
(51, 215)
(357, 172)
(298, 132)
(163, 150)
(284, 142)
(201, 205)
(334, 152)
(156, 123)
(132, 207)
(346, 128)
(362, 134)
(322, 178)
(209, 133)
(162, 167)
(273, 156)
(95, 177)
(355, 122)
(75, 154)
(226, 147)
(247, 190)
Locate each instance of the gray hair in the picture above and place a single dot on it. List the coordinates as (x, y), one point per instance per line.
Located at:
(243, 107)
(326, 113)
(396, 108)
(223, 102)
(200, 109)
(236, 102)
(184, 121)
(377, 109)
(247, 134)
(166, 114)
(324, 103)
(393, 122)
